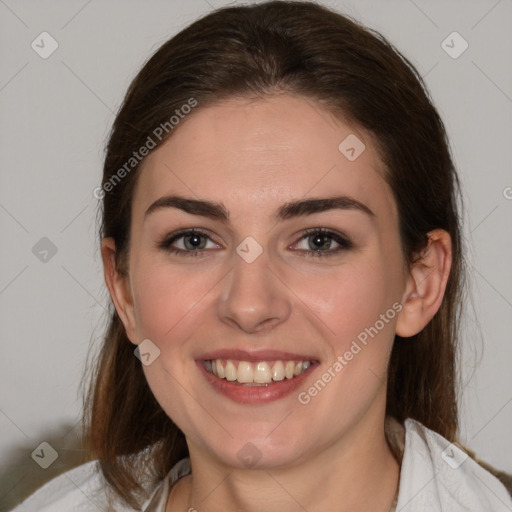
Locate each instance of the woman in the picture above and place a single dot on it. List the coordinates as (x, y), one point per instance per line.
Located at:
(282, 247)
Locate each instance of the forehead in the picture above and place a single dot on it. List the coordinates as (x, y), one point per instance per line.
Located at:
(259, 153)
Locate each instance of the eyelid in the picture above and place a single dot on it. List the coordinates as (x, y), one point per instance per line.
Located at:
(344, 243)
(166, 241)
(341, 239)
(327, 231)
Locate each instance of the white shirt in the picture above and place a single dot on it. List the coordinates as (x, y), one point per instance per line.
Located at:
(435, 476)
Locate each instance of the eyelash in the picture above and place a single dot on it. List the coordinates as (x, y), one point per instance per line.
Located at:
(344, 243)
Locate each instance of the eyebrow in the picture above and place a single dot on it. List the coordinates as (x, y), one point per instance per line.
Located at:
(218, 211)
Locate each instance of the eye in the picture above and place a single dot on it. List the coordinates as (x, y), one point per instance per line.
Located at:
(188, 243)
(322, 242)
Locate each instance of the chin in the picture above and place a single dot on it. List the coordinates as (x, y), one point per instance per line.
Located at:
(259, 452)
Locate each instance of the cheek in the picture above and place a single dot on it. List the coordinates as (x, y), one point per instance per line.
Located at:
(171, 310)
(165, 297)
(358, 305)
(351, 301)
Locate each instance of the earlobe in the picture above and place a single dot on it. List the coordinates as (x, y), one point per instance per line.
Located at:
(119, 288)
(426, 284)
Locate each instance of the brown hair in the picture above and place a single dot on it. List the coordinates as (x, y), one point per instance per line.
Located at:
(304, 49)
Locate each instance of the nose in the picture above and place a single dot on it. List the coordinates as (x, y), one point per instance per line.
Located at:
(253, 299)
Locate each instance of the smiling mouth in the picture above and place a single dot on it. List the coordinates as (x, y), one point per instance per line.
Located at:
(260, 373)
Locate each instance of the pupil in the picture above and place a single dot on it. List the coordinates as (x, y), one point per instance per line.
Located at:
(321, 242)
(194, 241)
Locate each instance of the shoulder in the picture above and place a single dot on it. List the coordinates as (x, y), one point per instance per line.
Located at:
(81, 489)
(437, 475)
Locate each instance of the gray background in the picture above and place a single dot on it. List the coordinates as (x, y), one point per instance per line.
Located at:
(55, 117)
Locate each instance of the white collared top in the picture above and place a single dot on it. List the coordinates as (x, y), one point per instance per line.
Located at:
(435, 476)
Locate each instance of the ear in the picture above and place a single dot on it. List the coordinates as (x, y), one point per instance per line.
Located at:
(118, 285)
(426, 284)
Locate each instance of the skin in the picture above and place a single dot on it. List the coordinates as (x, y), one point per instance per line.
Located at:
(254, 155)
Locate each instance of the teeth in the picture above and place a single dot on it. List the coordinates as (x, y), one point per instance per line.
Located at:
(290, 370)
(230, 371)
(245, 372)
(278, 371)
(262, 372)
(220, 369)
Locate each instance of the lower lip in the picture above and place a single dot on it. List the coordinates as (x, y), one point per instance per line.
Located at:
(245, 394)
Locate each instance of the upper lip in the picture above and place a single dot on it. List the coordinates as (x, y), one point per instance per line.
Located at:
(254, 355)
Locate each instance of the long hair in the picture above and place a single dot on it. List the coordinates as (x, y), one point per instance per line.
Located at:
(254, 51)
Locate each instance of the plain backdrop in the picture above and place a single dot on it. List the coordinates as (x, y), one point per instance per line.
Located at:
(55, 116)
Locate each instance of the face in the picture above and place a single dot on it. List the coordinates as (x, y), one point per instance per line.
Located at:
(261, 252)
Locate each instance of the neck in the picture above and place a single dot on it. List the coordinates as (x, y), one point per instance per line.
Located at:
(337, 477)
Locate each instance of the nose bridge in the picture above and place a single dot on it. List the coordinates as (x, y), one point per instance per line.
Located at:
(252, 297)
